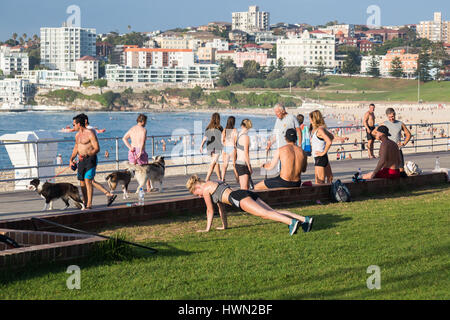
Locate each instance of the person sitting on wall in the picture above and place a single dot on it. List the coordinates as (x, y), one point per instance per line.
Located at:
(389, 157)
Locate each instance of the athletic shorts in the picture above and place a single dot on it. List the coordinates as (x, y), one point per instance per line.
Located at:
(369, 135)
(133, 157)
(87, 167)
(242, 169)
(387, 173)
(235, 197)
(228, 150)
(278, 182)
(321, 161)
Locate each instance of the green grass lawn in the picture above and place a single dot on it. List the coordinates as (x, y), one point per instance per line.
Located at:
(370, 89)
(406, 234)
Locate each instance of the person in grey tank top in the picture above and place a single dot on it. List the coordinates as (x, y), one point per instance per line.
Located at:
(395, 129)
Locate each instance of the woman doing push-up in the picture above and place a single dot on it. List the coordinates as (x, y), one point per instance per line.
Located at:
(221, 193)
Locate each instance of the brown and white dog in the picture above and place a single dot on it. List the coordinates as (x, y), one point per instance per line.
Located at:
(153, 171)
(53, 191)
(120, 177)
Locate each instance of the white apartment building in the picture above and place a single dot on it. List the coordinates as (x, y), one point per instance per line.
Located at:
(436, 30)
(14, 62)
(15, 91)
(52, 78)
(174, 43)
(266, 37)
(251, 21)
(62, 47)
(158, 57)
(308, 50)
(194, 73)
(87, 68)
(218, 44)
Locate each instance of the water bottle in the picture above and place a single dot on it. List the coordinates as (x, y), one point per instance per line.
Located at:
(437, 167)
(141, 196)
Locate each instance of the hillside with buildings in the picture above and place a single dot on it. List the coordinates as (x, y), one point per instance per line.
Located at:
(249, 51)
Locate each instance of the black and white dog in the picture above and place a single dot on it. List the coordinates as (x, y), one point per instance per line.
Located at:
(53, 191)
(120, 177)
(153, 171)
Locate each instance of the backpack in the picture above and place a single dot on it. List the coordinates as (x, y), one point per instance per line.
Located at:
(339, 192)
(412, 169)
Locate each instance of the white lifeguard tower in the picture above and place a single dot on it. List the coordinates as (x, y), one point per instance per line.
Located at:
(31, 154)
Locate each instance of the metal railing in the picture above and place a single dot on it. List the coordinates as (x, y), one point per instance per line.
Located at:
(188, 154)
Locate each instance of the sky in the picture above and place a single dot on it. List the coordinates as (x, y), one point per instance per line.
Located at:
(27, 16)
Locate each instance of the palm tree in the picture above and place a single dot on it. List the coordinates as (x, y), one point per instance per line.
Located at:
(24, 36)
(14, 36)
(21, 41)
(129, 28)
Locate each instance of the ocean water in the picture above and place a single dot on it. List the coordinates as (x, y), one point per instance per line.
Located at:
(117, 124)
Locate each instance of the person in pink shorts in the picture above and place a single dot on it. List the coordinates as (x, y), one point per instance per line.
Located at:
(138, 135)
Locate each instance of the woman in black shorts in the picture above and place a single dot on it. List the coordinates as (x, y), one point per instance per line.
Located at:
(221, 193)
(321, 141)
(242, 165)
(213, 139)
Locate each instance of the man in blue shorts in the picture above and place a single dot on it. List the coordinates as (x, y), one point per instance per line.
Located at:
(86, 148)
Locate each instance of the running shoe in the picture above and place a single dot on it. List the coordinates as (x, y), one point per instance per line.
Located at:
(307, 225)
(293, 227)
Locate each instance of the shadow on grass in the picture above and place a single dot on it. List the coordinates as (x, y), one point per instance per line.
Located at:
(96, 259)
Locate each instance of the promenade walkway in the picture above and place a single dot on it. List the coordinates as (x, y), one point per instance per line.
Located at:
(22, 204)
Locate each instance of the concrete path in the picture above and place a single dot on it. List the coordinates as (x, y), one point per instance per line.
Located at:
(27, 203)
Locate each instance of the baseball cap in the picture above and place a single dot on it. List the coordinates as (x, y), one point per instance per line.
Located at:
(291, 135)
(384, 130)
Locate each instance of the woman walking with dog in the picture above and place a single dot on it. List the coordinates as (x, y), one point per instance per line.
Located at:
(213, 139)
(221, 193)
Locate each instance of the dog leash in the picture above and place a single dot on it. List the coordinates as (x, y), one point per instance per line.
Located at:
(62, 172)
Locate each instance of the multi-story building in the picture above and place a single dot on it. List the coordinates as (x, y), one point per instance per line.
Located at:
(174, 43)
(259, 56)
(238, 37)
(436, 30)
(251, 21)
(62, 47)
(103, 49)
(218, 44)
(87, 68)
(381, 35)
(158, 57)
(15, 91)
(308, 51)
(347, 30)
(366, 45)
(206, 55)
(266, 37)
(224, 55)
(408, 60)
(52, 78)
(193, 73)
(12, 62)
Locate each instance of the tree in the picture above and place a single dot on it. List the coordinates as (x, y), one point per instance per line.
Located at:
(352, 61)
(280, 65)
(396, 68)
(14, 36)
(423, 67)
(251, 69)
(374, 67)
(321, 68)
(195, 94)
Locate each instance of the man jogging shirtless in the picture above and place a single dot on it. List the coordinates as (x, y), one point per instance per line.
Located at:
(293, 163)
(389, 162)
(369, 124)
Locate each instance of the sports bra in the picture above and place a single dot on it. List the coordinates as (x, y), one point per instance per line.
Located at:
(238, 145)
(217, 194)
